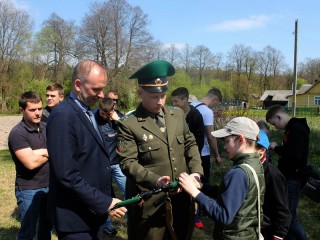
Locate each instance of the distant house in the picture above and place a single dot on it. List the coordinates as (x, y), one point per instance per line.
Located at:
(308, 96)
(273, 97)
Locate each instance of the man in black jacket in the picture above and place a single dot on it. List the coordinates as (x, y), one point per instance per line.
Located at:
(293, 160)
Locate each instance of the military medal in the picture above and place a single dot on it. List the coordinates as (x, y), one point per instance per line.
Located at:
(162, 129)
(145, 138)
(150, 137)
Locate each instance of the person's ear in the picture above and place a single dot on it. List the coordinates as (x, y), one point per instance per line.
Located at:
(278, 116)
(20, 110)
(77, 84)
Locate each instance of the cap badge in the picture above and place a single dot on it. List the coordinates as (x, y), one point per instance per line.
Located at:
(158, 81)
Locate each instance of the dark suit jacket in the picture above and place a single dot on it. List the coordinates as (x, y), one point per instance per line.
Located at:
(80, 174)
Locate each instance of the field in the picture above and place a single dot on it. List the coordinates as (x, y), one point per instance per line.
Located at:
(308, 210)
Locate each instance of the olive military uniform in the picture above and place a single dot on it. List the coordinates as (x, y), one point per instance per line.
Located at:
(146, 155)
(148, 152)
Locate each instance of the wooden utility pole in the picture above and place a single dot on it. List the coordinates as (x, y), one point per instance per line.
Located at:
(294, 86)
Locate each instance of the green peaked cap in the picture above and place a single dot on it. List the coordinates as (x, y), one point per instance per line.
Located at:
(152, 76)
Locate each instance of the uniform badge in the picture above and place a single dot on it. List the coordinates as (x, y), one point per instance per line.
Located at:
(120, 144)
(145, 138)
(150, 137)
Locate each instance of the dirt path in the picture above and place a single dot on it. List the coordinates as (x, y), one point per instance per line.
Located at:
(6, 124)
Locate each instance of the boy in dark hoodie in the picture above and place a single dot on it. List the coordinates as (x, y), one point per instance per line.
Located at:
(293, 160)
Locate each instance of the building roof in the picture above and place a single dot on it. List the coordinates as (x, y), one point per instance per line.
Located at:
(276, 95)
(304, 88)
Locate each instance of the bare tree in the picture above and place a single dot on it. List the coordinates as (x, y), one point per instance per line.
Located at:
(237, 62)
(57, 40)
(95, 34)
(202, 59)
(310, 70)
(271, 63)
(115, 34)
(251, 62)
(172, 54)
(218, 58)
(186, 57)
(15, 32)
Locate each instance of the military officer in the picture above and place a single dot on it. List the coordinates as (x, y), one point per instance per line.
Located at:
(155, 146)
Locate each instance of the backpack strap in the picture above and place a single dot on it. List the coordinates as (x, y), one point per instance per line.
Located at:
(199, 105)
(258, 186)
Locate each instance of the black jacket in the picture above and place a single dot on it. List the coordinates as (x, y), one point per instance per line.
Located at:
(277, 216)
(293, 154)
(196, 126)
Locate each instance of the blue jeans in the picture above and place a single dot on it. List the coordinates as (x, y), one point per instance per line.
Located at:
(296, 231)
(120, 180)
(33, 214)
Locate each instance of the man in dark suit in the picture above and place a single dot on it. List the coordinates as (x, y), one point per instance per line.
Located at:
(155, 145)
(80, 174)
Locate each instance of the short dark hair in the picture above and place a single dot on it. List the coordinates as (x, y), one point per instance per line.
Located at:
(182, 92)
(273, 111)
(263, 125)
(55, 87)
(28, 97)
(106, 104)
(214, 92)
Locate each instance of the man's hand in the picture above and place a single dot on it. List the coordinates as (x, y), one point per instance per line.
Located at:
(163, 181)
(115, 116)
(118, 212)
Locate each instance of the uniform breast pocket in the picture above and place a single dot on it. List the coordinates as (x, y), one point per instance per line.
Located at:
(180, 147)
(148, 152)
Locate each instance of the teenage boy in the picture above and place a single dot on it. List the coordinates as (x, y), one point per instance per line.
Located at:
(276, 213)
(54, 95)
(235, 210)
(293, 160)
(205, 105)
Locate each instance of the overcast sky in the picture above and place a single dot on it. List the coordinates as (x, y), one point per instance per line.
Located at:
(219, 25)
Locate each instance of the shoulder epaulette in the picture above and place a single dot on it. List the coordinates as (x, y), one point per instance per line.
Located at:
(128, 115)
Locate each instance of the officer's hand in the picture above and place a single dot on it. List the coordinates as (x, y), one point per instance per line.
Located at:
(163, 181)
(118, 212)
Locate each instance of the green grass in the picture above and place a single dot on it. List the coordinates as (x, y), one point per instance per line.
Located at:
(308, 210)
